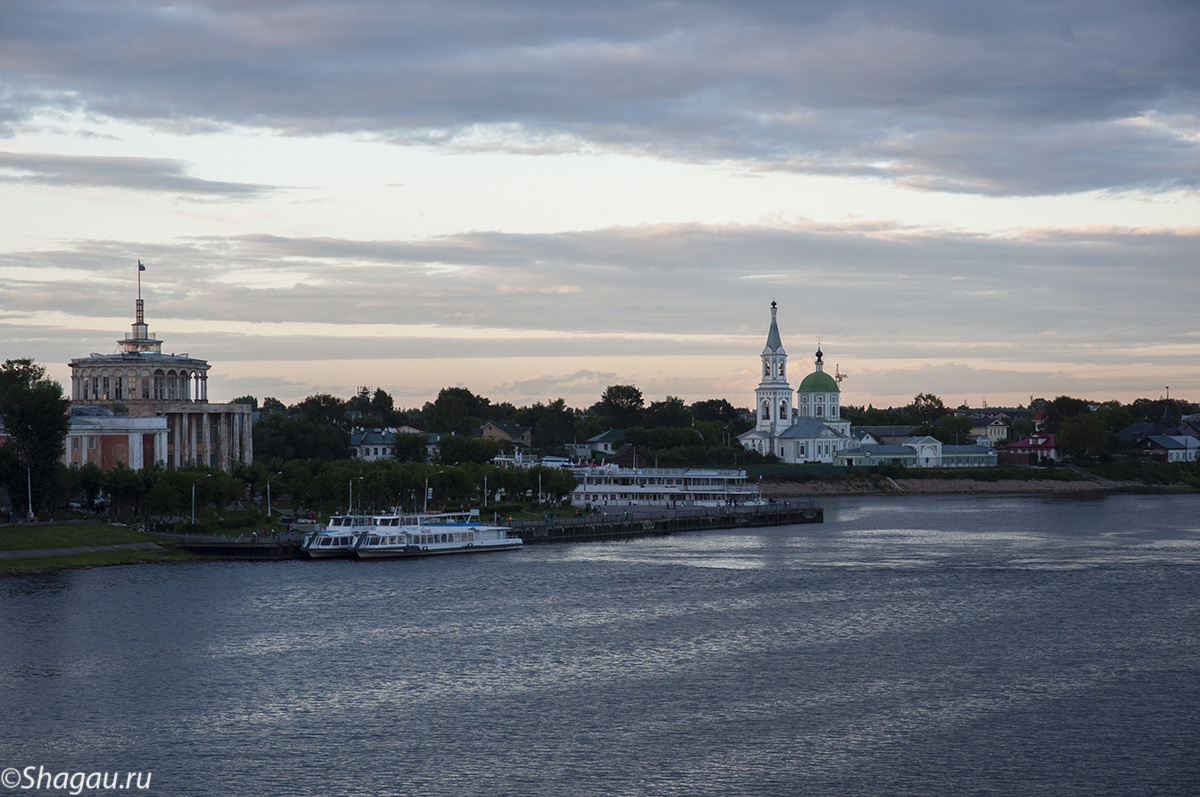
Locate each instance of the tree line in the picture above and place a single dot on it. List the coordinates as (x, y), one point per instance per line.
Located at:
(303, 449)
(319, 426)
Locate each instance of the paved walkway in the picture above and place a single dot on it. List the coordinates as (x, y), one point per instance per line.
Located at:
(35, 553)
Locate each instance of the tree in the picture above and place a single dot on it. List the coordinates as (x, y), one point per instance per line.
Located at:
(925, 409)
(410, 447)
(621, 405)
(455, 449)
(671, 411)
(272, 404)
(323, 408)
(1020, 429)
(277, 435)
(251, 400)
(715, 410)
(456, 409)
(1083, 436)
(383, 406)
(553, 424)
(36, 416)
(85, 483)
(1061, 408)
(953, 430)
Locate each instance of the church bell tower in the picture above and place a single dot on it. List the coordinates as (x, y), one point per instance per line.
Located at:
(773, 396)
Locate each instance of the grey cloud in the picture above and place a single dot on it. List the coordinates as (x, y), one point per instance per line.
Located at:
(900, 292)
(1024, 98)
(90, 171)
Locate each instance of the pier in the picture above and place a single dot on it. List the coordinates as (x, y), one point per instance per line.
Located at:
(639, 521)
(613, 523)
(282, 545)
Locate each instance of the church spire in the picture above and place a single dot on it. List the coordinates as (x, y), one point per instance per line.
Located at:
(774, 343)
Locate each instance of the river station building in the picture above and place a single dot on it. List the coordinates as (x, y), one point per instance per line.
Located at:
(140, 407)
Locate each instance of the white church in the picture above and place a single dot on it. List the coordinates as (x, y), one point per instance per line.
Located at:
(806, 428)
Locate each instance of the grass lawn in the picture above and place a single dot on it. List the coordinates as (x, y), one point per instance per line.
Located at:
(96, 559)
(21, 537)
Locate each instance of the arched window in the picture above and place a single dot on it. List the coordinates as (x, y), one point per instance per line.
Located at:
(766, 410)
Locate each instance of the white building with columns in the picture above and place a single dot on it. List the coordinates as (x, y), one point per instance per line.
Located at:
(140, 382)
(807, 427)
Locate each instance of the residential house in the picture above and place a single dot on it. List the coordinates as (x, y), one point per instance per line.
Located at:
(507, 433)
(1036, 449)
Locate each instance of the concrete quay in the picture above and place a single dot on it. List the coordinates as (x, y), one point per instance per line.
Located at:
(621, 523)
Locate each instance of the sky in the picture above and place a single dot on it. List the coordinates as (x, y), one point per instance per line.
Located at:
(985, 201)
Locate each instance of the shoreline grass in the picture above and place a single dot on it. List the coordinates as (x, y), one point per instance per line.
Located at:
(39, 564)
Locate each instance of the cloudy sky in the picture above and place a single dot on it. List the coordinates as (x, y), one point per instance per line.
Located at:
(988, 201)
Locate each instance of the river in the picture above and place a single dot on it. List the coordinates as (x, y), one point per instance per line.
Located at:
(911, 645)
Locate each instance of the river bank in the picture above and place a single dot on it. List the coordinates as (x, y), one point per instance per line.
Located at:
(881, 485)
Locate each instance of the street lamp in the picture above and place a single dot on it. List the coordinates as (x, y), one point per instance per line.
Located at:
(351, 509)
(29, 487)
(205, 476)
(272, 476)
(427, 475)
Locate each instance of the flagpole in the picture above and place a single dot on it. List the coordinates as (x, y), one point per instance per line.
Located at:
(139, 263)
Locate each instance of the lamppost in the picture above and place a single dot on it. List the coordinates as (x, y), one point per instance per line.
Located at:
(426, 509)
(351, 509)
(29, 487)
(272, 476)
(205, 476)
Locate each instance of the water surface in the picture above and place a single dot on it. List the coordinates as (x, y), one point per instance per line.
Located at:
(912, 645)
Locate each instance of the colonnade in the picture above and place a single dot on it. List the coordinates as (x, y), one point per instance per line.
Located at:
(111, 383)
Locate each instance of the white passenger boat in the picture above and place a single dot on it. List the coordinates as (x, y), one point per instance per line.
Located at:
(394, 536)
(610, 485)
(337, 537)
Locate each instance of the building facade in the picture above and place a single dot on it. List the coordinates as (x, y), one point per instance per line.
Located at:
(140, 382)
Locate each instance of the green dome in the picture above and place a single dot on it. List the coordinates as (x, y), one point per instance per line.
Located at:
(818, 382)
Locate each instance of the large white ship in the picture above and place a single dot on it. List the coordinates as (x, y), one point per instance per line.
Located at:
(610, 485)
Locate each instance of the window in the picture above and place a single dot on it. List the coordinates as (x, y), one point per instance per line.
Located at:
(92, 443)
(118, 393)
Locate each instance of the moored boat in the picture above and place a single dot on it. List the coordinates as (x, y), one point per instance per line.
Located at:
(399, 536)
(336, 539)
